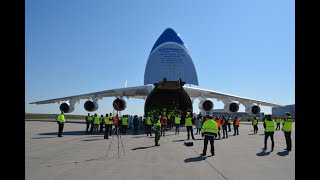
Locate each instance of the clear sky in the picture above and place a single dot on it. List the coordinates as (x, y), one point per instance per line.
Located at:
(72, 47)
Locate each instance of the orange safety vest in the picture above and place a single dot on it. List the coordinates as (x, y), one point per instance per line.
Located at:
(223, 122)
(237, 122)
(218, 122)
(115, 120)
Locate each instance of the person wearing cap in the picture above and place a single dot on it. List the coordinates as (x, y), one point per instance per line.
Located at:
(60, 120)
(287, 128)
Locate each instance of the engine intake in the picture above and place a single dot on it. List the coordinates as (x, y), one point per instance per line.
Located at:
(91, 106)
(206, 105)
(119, 104)
(231, 107)
(66, 108)
(252, 109)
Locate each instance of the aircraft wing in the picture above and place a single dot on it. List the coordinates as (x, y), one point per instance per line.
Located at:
(204, 93)
(138, 92)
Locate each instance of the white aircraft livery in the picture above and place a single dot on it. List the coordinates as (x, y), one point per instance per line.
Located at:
(169, 68)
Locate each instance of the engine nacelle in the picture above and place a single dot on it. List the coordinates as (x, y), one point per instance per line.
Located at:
(119, 104)
(231, 107)
(91, 106)
(252, 109)
(205, 105)
(66, 107)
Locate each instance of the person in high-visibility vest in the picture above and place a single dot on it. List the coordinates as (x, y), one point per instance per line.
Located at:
(88, 122)
(287, 128)
(236, 124)
(149, 123)
(101, 123)
(107, 124)
(124, 123)
(91, 124)
(156, 128)
(229, 124)
(116, 125)
(164, 121)
(217, 120)
(209, 130)
(224, 124)
(188, 124)
(177, 119)
(269, 126)
(96, 122)
(255, 125)
(60, 120)
(110, 123)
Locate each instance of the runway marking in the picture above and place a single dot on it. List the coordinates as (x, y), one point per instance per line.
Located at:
(211, 165)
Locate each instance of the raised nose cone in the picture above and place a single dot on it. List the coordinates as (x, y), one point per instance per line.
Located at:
(168, 35)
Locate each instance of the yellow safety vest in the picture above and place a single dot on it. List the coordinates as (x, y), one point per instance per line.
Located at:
(106, 120)
(269, 126)
(61, 118)
(188, 121)
(96, 120)
(287, 124)
(124, 121)
(177, 119)
(149, 120)
(210, 126)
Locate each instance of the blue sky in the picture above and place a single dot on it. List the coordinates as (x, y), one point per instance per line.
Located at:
(72, 47)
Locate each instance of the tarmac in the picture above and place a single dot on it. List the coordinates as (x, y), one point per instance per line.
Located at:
(81, 156)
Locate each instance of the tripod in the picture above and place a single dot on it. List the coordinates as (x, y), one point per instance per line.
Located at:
(116, 129)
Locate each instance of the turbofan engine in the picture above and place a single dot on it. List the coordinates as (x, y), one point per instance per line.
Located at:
(119, 104)
(66, 107)
(91, 106)
(231, 107)
(205, 105)
(252, 109)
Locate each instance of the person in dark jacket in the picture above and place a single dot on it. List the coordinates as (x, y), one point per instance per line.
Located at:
(135, 124)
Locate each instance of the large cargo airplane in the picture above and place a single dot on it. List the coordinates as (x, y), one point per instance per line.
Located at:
(169, 70)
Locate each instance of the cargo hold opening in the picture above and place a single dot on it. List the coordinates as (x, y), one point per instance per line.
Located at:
(169, 95)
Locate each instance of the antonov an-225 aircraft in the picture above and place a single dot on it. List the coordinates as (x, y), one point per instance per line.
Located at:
(168, 69)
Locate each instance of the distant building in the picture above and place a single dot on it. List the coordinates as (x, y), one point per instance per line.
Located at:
(281, 111)
(221, 112)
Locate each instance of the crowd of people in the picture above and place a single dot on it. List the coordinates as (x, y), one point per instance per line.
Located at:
(158, 121)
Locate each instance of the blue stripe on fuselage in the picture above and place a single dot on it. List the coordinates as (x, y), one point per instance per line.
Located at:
(168, 35)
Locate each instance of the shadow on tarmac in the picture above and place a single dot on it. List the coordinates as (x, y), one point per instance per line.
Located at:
(179, 140)
(283, 153)
(195, 159)
(141, 148)
(92, 139)
(54, 121)
(263, 153)
(68, 133)
(252, 134)
(42, 137)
